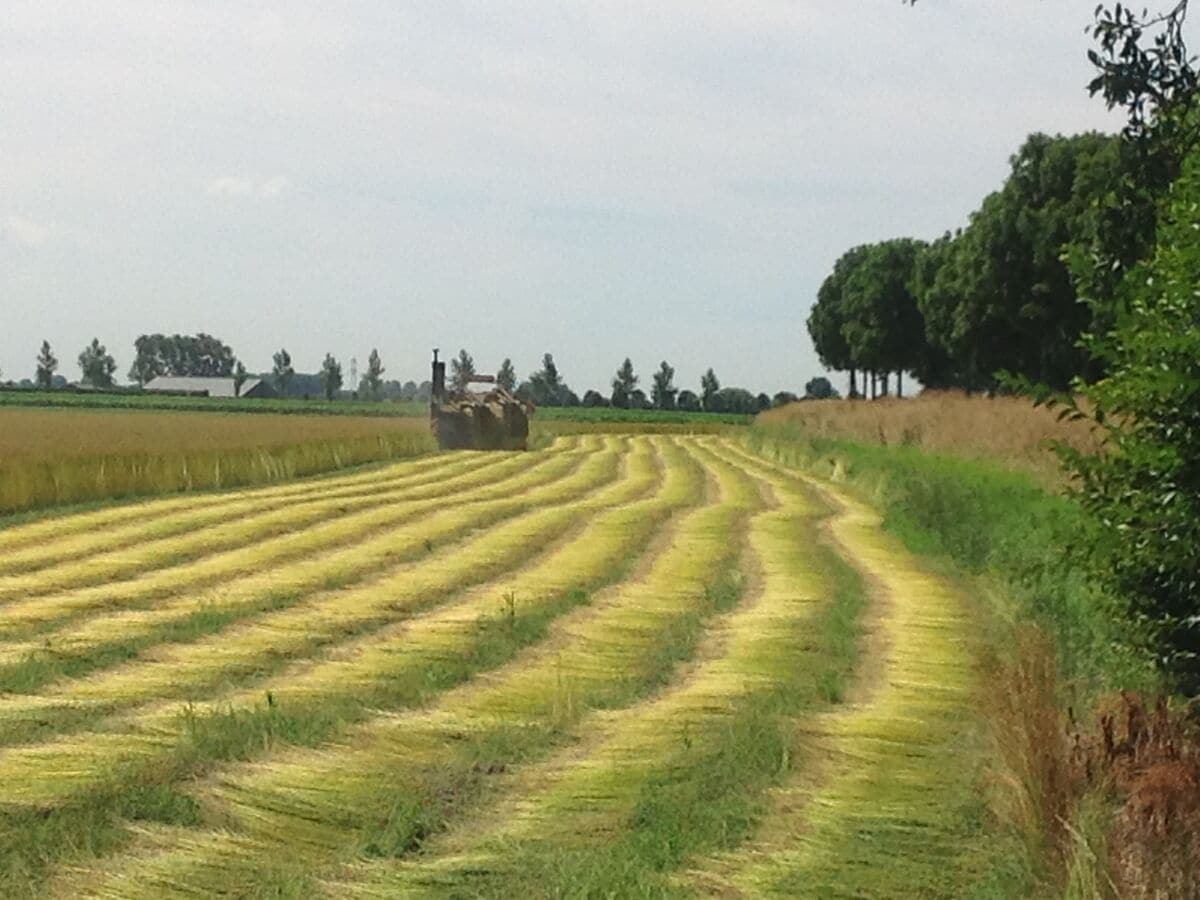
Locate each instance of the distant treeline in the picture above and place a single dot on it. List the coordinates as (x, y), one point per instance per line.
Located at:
(1037, 267)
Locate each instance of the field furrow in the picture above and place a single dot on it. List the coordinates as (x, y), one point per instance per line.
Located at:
(389, 780)
(213, 519)
(257, 645)
(327, 555)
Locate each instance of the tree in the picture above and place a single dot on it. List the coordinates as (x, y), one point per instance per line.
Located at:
(1142, 492)
(594, 399)
(97, 365)
(624, 384)
(709, 388)
(187, 355)
(282, 371)
(783, 398)
(239, 378)
(735, 400)
(828, 318)
(47, 363)
(462, 370)
(663, 390)
(545, 387)
(687, 402)
(507, 376)
(763, 401)
(373, 378)
(331, 376)
(819, 388)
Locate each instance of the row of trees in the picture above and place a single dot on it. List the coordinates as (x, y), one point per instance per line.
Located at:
(546, 387)
(1037, 267)
(206, 356)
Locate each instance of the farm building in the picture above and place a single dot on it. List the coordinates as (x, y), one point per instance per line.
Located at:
(213, 387)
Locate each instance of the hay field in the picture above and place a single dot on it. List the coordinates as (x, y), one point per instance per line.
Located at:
(624, 665)
(51, 457)
(1010, 430)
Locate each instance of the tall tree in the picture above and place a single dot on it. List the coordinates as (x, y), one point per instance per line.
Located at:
(96, 365)
(462, 370)
(663, 390)
(819, 388)
(373, 379)
(282, 371)
(331, 376)
(828, 318)
(545, 387)
(507, 376)
(186, 355)
(624, 384)
(47, 363)
(240, 375)
(709, 388)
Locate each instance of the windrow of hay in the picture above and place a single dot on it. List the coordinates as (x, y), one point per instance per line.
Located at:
(889, 808)
(242, 532)
(249, 646)
(582, 802)
(336, 553)
(63, 544)
(371, 788)
(1008, 429)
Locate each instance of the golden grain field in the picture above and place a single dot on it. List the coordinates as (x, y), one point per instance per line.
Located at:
(624, 665)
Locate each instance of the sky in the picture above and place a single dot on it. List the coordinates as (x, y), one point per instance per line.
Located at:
(659, 179)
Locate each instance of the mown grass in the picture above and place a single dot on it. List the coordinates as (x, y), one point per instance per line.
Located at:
(612, 415)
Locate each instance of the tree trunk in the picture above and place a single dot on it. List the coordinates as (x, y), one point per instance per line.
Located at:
(874, 385)
(899, 384)
(853, 384)
(887, 377)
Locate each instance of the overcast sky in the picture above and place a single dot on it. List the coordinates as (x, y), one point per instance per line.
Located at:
(663, 180)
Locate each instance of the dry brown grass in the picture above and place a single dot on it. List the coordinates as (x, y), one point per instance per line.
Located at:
(1010, 429)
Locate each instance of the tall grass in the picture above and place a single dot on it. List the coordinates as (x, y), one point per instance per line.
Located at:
(43, 475)
(1007, 430)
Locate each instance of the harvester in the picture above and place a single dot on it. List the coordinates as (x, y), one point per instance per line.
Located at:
(470, 420)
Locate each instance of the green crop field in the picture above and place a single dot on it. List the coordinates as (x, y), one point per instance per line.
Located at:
(134, 400)
(624, 665)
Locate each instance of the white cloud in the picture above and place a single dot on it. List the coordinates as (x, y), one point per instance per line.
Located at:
(237, 186)
(24, 231)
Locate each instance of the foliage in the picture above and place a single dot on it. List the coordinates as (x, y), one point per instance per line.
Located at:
(1143, 493)
(331, 376)
(545, 387)
(687, 402)
(97, 365)
(239, 378)
(663, 391)
(506, 377)
(47, 363)
(373, 379)
(709, 386)
(181, 355)
(282, 372)
(881, 325)
(462, 370)
(817, 388)
(592, 399)
(624, 384)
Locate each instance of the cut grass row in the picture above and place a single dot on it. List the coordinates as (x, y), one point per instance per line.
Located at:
(242, 528)
(367, 790)
(326, 556)
(32, 548)
(250, 645)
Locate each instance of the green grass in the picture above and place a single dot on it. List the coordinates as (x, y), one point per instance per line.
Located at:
(133, 399)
